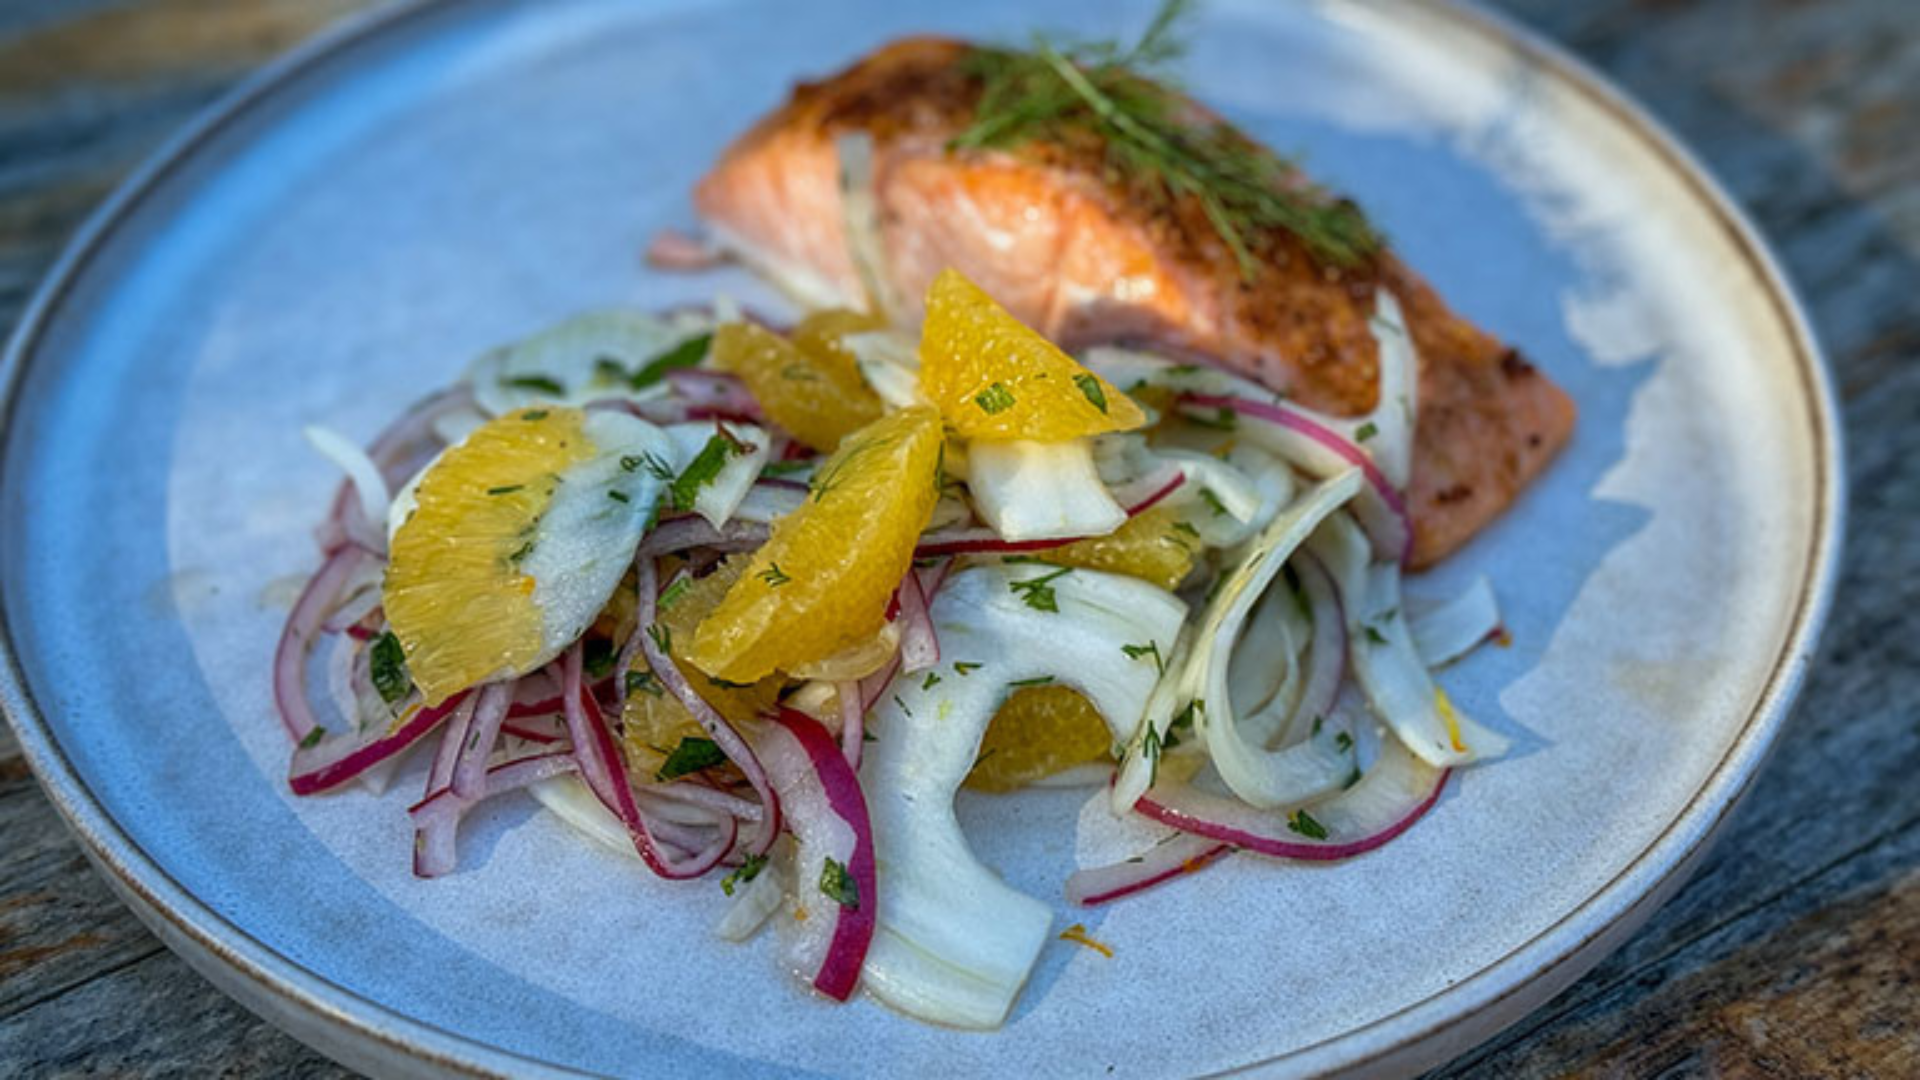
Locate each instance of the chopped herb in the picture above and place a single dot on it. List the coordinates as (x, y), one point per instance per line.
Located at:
(1155, 141)
(704, 467)
(1037, 680)
(1150, 747)
(534, 414)
(313, 737)
(725, 684)
(597, 657)
(662, 638)
(1366, 431)
(994, 399)
(656, 465)
(609, 369)
(1352, 778)
(1343, 741)
(1089, 385)
(540, 384)
(1151, 648)
(744, 873)
(773, 576)
(507, 489)
(1213, 501)
(1187, 528)
(902, 704)
(674, 591)
(932, 680)
(684, 355)
(1374, 635)
(1302, 822)
(1038, 592)
(1318, 723)
(387, 665)
(619, 496)
(1023, 560)
(964, 668)
(786, 468)
(521, 552)
(838, 886)
(693, 755)
(644, 682)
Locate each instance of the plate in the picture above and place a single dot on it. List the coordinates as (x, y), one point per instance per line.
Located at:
(343, 234)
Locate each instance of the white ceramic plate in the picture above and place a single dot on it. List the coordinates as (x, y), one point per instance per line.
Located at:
(346, 233)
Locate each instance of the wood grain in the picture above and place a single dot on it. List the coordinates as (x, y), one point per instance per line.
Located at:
(1792, 954)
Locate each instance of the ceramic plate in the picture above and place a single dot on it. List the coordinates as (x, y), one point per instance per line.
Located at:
(343, 235)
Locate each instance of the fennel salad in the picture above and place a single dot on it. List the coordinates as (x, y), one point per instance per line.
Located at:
(751, 604)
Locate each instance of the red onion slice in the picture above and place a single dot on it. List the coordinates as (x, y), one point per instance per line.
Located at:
(691, 531)
(713, 394)
(1393, 794)
(436, 818)
(483, 732)
(919, 644)
(447, 754)
(1177, 856)
(827, 813)
(672, 249)
(332, 762)
(853, 719)
(309, 613)
(1320, 451)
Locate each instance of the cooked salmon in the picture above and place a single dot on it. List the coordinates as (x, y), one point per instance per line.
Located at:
(1078, 253)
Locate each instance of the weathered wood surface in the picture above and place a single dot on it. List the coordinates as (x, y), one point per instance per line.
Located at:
(1795, 952)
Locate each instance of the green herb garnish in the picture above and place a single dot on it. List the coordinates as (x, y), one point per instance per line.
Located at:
(1302, 822)
(506, 489)
(673, 592)
(744, 873)
(1089, 385)
(691, 756)
(387, 666)
(1156, 141)
(963, 668)
(1366, 431)
(597, 657)
(539, 384)
(684, 355)
(838, 886)
(1151, 648)
(1037, 680)
(644, 682)
(704, 467)
(313, 737)
(994, 399)
(1038, 592)
(773, 576)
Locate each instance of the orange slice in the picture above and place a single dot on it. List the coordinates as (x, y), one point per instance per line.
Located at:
(811, 385)
(1041, 730)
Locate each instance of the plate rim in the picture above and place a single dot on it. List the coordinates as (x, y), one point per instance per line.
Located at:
(361, 1031)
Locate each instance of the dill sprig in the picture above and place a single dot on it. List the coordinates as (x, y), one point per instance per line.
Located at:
(1153, 134)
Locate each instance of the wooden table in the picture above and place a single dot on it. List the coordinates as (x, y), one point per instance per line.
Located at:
(1795, 951)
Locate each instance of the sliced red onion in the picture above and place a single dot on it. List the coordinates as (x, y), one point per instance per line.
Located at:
(716, 726)
(1393, 794)
(309, 613)
(605, 774)
(532, 731)
(693, 793)
(470, 765)
(1320, 451)
(919, 644)
(1137, 496)
(447, 754)
(332, 762)
(680, 533)
(1176, 856)
(436, 818)
(672, 249)
(713, 394)
(827, 813)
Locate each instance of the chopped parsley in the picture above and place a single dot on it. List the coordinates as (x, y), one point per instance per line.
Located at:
(532, 415)
(773, 576)
(662, 637)
(1150, 747)
(694, 754)
(1213, 501)
(619, 496)
(932, 680)
(1366, 431)
(1343, 741)
(506, 489)
(644, 682)
(313, 737)
(387, 665)
(786, 468)
(964, 668)
(684, 355)
(704, 468)
(597, 657)
(744, 873)
(1089, 385)
(1151, 648)
(1374, 635)
(994, 399)
(1037, 592)
(838, 886)
(673, 592)
(539, 384)
(1037, 680)
(653, 462)
(1302, 822)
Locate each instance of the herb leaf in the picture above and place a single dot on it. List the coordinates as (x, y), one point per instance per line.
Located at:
(1037, 592)
(744, 873)
(702, 470)
(1302, 822)
(539, 384)
(1089, 385)
(838, 886)
(691, 756)
(684, 355)
(387, 665)
(994, 399)
(597, 657)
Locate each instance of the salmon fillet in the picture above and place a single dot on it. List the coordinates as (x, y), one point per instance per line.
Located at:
(1081, 255)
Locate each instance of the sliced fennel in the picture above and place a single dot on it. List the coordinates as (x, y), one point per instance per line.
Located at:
(1447, 631)
(1385, 663)
(718, 496)
(592, 356)
(955, 943)
(1041, 491)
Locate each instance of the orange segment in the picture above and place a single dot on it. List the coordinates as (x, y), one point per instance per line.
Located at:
(823, 579)
(1155, 546)
(810, 386)
(654, 721)
(454, 594)
(1041, 730)
(993, 378)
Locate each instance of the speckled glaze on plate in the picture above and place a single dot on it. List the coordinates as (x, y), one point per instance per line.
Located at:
(342, 235)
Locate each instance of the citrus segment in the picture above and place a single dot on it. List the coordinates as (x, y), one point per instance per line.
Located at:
(455, 594)
(1041, 730)
(993, 378)
(1156, 546)
(810, 386)
(823, 579)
